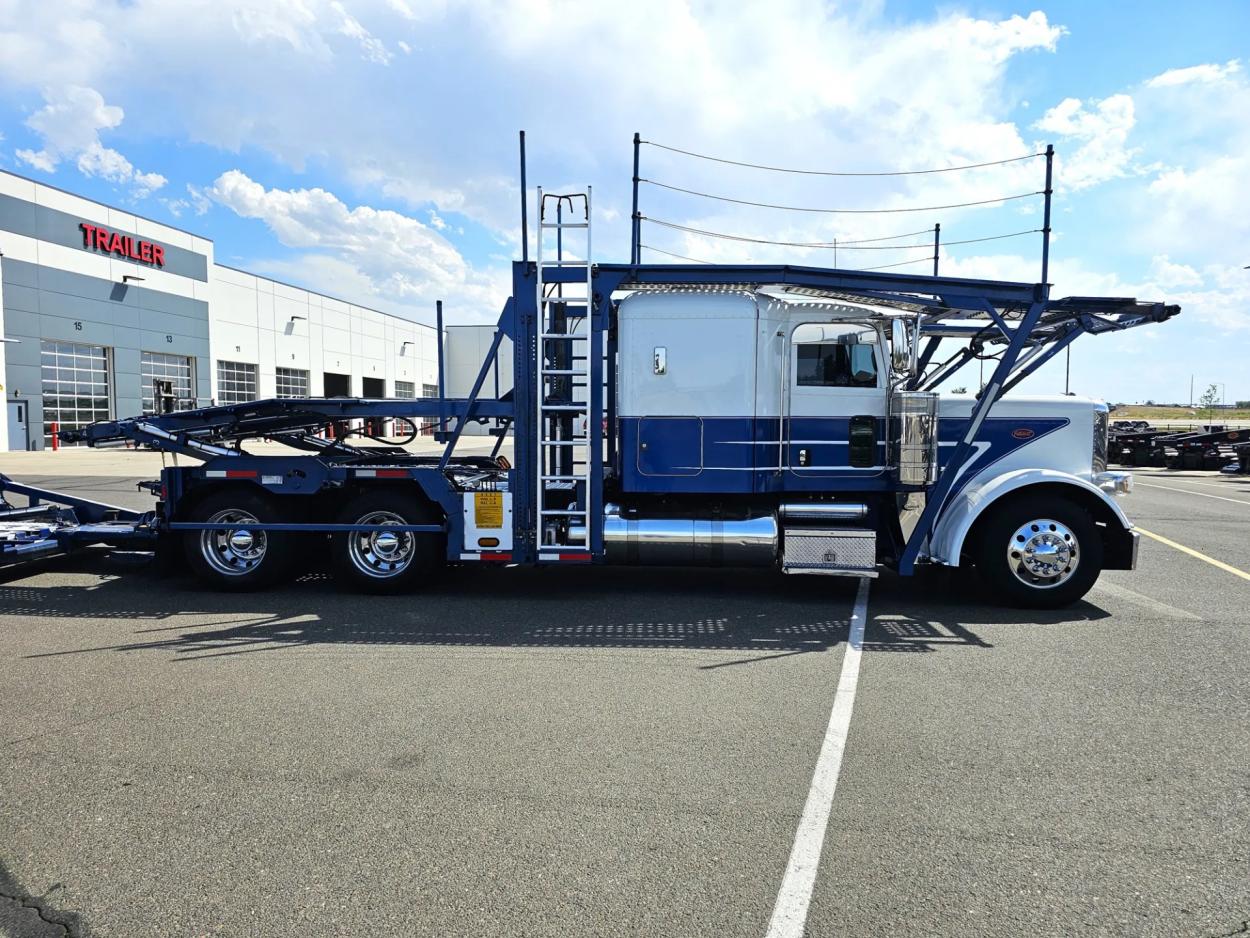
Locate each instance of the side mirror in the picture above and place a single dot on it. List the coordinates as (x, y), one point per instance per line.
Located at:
(900, 347)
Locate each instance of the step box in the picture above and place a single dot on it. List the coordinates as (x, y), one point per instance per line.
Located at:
(830, 551)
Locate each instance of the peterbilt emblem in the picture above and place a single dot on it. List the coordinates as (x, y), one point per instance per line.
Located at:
(1022, 433)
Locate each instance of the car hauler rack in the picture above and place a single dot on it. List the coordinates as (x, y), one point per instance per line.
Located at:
(51, 524)
(728, 414)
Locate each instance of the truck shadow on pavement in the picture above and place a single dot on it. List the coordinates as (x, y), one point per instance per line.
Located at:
(692, 609)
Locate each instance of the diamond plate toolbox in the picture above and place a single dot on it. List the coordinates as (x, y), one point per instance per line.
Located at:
(825, 550)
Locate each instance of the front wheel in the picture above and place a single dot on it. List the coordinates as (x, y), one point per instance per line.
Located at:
(386, 561)
(1039, 553)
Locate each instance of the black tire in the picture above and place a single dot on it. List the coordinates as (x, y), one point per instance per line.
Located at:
(224, 563)
(1063, 538)
(371, 566)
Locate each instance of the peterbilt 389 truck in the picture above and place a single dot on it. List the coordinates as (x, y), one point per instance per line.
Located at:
(726, 415)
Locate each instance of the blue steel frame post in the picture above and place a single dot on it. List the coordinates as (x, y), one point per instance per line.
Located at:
(937, 243)
(440, 432)
(525, 362)
(635, 232)
(609, 406)
(597, 312)
(525, 227)
(1048, 192)
(950, 473)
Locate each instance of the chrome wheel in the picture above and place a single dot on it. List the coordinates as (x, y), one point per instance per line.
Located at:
(381, 554)
(233, 552)
(1043, 553)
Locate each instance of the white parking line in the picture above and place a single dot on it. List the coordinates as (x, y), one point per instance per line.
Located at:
(1132, 596)
(1172, 488)
(790, 913)
(1172, 477)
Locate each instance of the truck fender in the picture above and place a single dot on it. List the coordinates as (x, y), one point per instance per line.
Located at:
(947, 542)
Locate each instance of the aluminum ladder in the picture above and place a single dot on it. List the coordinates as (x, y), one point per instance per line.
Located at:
(562, 378)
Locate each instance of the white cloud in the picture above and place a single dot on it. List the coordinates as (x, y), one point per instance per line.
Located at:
(1101, 128)
(1208, 73)
(370, 46)
(1170, 275)
(394, 257)
(69, 125)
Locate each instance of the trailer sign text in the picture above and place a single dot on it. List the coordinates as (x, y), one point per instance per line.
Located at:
(101, 239)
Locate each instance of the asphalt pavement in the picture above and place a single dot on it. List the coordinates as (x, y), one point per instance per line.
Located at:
(629, 752)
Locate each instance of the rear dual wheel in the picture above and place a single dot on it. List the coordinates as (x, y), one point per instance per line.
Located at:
(234, 559)
(387, 561)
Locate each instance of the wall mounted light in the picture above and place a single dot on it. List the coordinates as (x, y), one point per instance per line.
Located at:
(131, 278)
(293, 318)
(404, 345)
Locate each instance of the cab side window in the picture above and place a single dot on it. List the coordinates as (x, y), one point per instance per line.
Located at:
(835, 356)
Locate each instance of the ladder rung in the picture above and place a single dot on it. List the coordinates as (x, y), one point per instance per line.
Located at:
(564, 478)
(570, 300)
(572, 372)
(580, 441)
(563, 512)
(566, 224)
(562, 335)
(565, 407)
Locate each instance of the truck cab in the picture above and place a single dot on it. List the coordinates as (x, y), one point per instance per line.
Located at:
(755, 403)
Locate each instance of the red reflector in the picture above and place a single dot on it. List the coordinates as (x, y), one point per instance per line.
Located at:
(392, 474)
(497, 556)
(575, 556)
(240, 473)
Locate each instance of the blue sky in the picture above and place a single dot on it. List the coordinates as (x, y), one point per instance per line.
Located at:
(368, 150)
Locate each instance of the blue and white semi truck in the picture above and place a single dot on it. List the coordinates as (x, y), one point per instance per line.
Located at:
(734, 415)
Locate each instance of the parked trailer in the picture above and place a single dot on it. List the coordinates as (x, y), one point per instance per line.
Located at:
(1241, 460)
(736, 415)
(1205, 451)
(1136, 447)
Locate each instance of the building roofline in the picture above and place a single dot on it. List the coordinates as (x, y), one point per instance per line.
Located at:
(116, 208)
(337, 299)
(216, 263)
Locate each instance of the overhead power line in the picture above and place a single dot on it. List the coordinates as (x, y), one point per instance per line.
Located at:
(859, 245)
(914, 260)
(819, 172)
(841, 211)
(695, 260)
(671, 254)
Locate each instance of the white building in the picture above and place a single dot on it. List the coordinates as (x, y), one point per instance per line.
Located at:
(97, 303)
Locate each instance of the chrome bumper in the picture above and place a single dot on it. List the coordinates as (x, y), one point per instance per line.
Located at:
(1114, 483)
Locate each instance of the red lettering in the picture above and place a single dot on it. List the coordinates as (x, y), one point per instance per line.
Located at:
(93, 236)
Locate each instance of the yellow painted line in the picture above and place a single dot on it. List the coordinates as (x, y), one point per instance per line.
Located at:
(1193, 553)
(1172, 488)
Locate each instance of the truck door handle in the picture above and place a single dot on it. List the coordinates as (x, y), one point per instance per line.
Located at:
(805, 457)
(642, 445)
